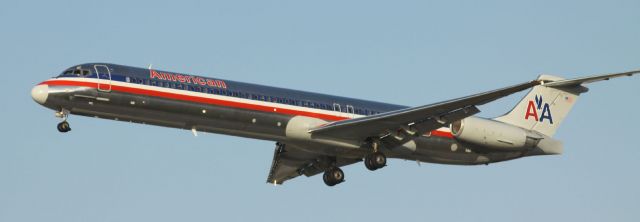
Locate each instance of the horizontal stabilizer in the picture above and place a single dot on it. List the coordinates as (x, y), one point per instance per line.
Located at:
(590, 79)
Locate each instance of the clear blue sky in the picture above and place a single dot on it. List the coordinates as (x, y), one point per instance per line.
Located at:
(404, 52)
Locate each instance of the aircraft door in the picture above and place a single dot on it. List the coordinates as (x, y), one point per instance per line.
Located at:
(104, 74)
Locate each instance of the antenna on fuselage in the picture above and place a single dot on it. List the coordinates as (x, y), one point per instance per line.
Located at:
(150, 65)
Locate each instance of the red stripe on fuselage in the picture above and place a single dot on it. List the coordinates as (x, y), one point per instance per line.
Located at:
(211, 101)
(197, 99)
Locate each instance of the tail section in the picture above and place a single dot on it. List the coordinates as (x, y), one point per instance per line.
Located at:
(544, 108)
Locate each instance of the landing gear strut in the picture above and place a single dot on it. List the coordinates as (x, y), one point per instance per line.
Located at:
(333, 176)
(63, 126)
(375, 161)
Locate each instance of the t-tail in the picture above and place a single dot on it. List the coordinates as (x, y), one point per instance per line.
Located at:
(544, 108)
(532, 123)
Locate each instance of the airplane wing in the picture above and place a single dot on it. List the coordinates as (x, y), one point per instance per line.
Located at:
(415, 120)
(290, 162)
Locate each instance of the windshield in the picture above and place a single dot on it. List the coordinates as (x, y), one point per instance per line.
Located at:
(77, 71)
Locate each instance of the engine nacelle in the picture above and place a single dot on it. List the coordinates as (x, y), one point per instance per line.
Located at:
(494, 135)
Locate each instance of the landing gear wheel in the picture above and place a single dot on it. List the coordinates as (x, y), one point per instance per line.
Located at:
(375, 161)
(64, 127)
(333, 176)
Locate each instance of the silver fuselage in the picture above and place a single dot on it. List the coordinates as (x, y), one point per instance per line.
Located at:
(146, 103)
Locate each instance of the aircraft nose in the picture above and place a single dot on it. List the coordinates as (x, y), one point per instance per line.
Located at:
(40, 93)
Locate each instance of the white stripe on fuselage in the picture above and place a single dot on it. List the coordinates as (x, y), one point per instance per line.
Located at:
(220, 97)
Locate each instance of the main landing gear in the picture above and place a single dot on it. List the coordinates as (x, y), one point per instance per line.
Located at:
(375, 161)
(333, 176)
(63, 126)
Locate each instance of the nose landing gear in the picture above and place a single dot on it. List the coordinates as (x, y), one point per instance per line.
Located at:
(63, 126)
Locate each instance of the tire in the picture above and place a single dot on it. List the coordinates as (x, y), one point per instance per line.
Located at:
(379, 160)
(64, 127)
(369, 164)
(337, 175)
(375, 161)
(333, 176)
(327, 179)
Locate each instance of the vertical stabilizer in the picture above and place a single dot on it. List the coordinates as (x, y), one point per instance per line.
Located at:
(544, 108)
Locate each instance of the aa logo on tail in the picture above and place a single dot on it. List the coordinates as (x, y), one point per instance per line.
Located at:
(539, 107)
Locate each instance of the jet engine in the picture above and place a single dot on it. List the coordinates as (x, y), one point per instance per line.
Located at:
(494, 135)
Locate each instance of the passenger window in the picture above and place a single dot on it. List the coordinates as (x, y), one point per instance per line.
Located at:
(336, 107)
(350, 109)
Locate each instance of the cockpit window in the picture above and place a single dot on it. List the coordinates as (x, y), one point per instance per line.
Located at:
(77, 71)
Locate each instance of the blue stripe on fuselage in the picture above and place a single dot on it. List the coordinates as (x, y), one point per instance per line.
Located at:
(120, 73)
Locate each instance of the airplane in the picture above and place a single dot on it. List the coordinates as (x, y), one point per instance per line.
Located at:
(317, 133)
